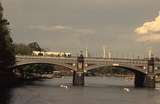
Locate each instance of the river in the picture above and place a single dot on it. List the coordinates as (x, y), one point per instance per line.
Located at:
(97, 90)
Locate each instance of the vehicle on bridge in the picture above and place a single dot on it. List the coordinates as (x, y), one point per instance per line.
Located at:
(54, 54)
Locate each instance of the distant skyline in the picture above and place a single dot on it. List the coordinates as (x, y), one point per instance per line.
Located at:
(126, 27)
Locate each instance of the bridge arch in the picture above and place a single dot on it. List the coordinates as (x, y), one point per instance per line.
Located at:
(139, 72)
(133, 69)
(31, 63)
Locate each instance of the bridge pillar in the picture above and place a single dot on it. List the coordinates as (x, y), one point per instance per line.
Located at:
(139, 80)
(78, 74)
(150, 76)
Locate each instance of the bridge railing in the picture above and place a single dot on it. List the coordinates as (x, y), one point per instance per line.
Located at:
(116, 60)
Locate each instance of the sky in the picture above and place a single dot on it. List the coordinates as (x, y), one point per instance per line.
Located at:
(124, 27)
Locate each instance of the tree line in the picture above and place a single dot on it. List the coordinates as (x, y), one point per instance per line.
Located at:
(27, 49)
(7, 50)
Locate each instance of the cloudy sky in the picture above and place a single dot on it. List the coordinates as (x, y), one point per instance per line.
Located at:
(126, 27)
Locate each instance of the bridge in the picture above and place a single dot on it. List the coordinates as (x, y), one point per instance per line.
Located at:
(144, 69)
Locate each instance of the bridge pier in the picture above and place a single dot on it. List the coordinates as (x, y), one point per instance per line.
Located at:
(78, 78)
(78, 74)
(149, 81)
(150, 76)
(139, 80)
(142, 80)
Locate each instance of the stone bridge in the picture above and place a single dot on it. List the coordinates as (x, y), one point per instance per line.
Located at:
(143, 68)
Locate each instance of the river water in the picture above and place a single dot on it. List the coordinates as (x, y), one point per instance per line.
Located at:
(97, 90)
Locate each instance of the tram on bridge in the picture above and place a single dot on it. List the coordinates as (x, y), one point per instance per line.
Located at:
(54, 54)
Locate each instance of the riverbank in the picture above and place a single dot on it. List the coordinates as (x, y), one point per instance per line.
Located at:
(7, 79)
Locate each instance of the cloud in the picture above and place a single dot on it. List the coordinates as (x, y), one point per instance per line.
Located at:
(150, 31)
(149, 38)
(60, 28)
(51, 28)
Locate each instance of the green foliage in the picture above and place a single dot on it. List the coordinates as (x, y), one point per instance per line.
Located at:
(102, 70)
(7, 52)
(34, 46)
(23, 49)
(36, 68)
(109, 69)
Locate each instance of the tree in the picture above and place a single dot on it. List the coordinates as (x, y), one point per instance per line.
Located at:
(22, 49)
(35, 46)
(7, 52)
